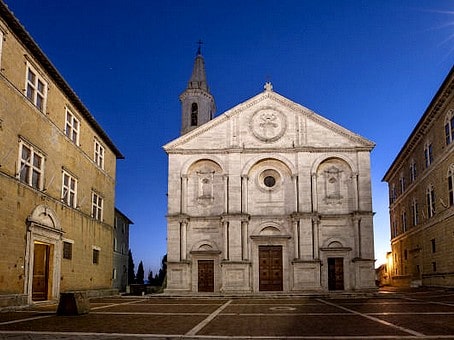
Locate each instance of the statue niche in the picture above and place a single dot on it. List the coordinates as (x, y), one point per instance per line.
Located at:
(332, 185)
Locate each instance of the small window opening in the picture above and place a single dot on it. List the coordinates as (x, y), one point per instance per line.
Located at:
(194, 114)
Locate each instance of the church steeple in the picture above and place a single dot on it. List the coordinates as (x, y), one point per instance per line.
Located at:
(197, 103)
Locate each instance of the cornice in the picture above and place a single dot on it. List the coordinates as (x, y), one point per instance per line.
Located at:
(402, 197)
(215, 122)
(366, 144)
(27, 41)
(432, 222)
(435, 107)
(322, 120)
(300, 149)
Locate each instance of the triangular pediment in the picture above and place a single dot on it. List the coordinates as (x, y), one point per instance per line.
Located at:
(268, 121)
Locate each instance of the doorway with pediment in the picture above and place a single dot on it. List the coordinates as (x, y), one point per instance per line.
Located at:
(270, 268)
(44, 238)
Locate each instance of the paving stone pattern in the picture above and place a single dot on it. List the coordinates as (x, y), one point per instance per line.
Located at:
(423, 313)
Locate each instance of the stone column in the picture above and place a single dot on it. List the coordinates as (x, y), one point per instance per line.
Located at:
(295, 186)
(356, 190)
(183, 239)
(244, 245)
(314, 192)
(244, 193)
(225, 227)
(357, 227)
(226, 194)
(296, 239)
(184, 194)
(316, 243)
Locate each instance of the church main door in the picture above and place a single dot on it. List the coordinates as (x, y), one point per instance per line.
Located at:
(270, 268)
(335, 273)
(205, 275)
(40, 272)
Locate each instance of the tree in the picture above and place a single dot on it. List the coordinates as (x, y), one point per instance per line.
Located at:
(163, 271)
(131, 276)
(140, 273)
(150, 277)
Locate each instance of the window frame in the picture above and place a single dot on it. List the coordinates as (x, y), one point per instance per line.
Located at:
(414, 210)
(402, 184)
(194, 114)
(99, 153)
(428, 154)
(451, 185)
(32, 88)
(97, 206)
(430, 197)
(70, 129)
(96, 255)
(64, 251)
(66, 196)
(1, 45)
(392, 193)
(449, 127)
(30, 164)
(404, 221)
(394, 228)
(413, 171)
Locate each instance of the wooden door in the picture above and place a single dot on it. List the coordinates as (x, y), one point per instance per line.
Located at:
(335, 273)
(40, 272)
(270, 268)
(205, 275)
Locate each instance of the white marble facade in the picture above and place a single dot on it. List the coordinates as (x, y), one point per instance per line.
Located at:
(269, 196)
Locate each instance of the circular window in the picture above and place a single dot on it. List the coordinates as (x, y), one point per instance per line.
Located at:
(269, 181)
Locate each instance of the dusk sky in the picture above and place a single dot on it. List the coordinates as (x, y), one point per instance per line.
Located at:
(371, 66)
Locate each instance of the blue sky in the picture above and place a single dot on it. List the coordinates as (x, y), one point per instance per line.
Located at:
(371, 66)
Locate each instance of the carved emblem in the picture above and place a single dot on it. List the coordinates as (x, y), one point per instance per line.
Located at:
(268, 125)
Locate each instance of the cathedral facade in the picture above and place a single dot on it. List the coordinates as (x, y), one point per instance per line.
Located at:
(267, 196)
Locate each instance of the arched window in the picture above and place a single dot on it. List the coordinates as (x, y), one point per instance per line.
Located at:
(194, 114)
(414, 212)
(451, 184)
(428, 154)
(449, 127)
(404, 221)
(430, 195)
(413, 171)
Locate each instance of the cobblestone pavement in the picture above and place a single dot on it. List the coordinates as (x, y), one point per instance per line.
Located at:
(390, 314)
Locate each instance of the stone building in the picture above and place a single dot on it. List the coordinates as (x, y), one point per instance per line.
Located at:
(120, 249)
(421, 197)
(57, 179)
(267, 196)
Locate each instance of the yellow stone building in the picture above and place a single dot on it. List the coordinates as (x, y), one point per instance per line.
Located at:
(57, 179)
(421, 191)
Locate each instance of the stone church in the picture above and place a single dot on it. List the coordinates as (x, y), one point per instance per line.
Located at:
(268, 196)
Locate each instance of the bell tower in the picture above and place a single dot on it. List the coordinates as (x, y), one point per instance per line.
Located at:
(197, 103)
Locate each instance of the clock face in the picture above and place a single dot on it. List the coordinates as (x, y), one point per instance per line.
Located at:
(268, 125)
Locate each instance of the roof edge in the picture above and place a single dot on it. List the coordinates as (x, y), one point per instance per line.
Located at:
(19, 30)
(431, 108)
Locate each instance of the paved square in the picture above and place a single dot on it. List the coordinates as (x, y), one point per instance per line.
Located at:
(423, 313)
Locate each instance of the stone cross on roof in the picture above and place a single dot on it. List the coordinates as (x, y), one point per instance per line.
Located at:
(268, 86)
